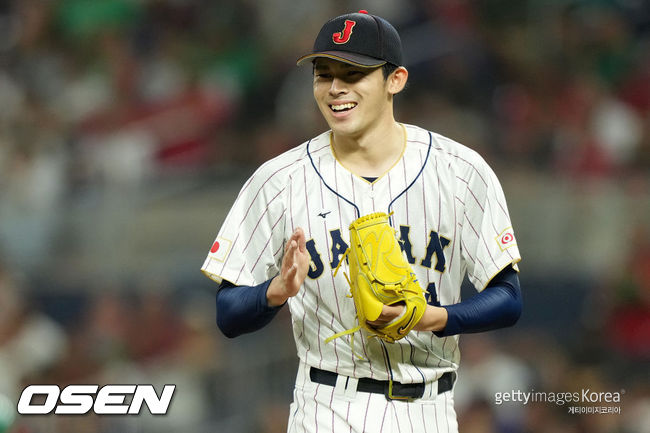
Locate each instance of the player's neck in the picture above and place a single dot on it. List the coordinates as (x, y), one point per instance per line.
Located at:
(372, 153)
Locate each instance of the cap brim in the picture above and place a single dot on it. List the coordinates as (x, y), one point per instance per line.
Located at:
(345, 57)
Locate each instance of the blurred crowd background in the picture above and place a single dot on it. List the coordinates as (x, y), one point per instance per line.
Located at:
(127, 128)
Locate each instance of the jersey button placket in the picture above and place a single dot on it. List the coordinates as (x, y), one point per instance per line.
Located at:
(368, 199)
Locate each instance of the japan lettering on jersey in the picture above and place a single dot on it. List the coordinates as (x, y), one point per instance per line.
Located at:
(448, 209)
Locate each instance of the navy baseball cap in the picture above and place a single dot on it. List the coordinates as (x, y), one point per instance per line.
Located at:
(360, 39)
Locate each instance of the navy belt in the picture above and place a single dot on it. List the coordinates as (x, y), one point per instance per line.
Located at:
(402, 391)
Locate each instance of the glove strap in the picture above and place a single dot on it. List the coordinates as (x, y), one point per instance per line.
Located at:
(346, 332)
(345, 254)
(341, 334)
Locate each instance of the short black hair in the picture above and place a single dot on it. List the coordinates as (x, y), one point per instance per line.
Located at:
(387, 69)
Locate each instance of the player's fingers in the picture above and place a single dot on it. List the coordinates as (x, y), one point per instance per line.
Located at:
(388, 313)
(294, 237)
(290, 256)
(290, 247)
(302, 241)
(298, 235)
(288, 259)
(291, 274)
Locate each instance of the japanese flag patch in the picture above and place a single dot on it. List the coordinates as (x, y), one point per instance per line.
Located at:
(506, 239)
(220, 248)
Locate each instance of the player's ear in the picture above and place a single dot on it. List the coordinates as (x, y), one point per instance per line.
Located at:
(397, 80)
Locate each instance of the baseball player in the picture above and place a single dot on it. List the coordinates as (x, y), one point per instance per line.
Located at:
(288, 230)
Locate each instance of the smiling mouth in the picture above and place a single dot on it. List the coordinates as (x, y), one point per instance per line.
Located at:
(340, 108)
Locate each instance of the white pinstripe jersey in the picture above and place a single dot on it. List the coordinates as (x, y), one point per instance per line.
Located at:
(449, 210)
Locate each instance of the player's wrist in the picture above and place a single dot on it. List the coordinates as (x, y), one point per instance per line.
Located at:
(275, 295)
(434, 319)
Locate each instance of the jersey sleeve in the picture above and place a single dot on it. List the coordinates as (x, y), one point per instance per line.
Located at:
(488, 242)
(249, 245)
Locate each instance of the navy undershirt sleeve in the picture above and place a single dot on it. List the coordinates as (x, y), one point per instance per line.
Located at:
(499, 305)
(243, 309)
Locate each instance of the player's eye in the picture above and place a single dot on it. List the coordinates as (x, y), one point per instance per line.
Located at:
(353, 76)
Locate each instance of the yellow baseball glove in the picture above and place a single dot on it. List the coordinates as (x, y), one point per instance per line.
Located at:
(380, 275)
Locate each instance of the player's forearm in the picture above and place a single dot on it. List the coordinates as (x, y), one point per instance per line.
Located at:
(498, 306)
(243, 309)
(434, 319)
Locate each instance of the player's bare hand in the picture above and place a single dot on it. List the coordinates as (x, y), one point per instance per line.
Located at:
(295, 265)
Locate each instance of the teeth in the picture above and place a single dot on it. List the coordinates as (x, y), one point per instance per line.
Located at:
(343, 106)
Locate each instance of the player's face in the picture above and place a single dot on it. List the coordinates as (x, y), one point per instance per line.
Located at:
(352, 99)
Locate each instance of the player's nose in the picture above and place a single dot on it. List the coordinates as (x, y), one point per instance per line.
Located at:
(338, 86)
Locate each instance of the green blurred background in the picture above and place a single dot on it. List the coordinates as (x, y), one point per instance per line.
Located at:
(127, 128)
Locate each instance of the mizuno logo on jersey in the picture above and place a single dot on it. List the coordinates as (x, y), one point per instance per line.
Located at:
(324, 214)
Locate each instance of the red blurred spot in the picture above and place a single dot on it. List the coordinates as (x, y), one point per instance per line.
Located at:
(363, 11)
(215, 247)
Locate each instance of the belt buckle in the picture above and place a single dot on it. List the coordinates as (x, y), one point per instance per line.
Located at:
(392, 392)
